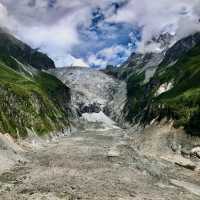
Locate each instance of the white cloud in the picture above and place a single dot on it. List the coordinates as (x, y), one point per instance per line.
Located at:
(186, 26)
(3, 14)
(67, 60)
(155, 16)
(94, 60)
(79, 63)
(109, 55)
(54, 30)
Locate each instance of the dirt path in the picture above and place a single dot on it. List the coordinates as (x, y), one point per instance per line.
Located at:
(94, 165)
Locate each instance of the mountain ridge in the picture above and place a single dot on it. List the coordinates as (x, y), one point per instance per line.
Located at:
(30, 99)
(137, 92)
(147, 96)
(11, 46)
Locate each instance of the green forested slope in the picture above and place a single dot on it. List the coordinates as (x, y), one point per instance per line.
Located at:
(29, 98)
(180, 102)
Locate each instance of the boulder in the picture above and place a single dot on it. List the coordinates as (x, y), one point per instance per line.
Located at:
(184, 162)
(195, 152)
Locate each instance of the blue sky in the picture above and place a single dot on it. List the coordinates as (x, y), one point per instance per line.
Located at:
(97, 32)
(105, 42)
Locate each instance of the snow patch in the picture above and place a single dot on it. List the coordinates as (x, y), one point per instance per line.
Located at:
(100, 118)
(164, 88)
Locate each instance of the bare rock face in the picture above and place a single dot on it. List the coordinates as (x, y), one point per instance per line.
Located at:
(93, 91)
(139, 63)
(180, 48)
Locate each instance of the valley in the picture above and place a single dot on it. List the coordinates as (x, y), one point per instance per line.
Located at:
(128, 132)
(97, 164)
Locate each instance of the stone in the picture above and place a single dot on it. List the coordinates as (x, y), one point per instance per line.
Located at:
(186, 163)
(195, 152)
(113, 153)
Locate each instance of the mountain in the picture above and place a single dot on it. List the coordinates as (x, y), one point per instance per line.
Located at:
(164, 40)
(146, 62)
(30, 99)
(138, 63)
(165, 85)
(10, 46)
(148, 86)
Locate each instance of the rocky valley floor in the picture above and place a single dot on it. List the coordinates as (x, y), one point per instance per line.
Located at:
(96, 165)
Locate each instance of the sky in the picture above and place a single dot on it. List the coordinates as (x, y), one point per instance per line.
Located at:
(96, 33)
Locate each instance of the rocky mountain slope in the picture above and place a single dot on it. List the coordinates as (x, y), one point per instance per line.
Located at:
(146, 61)
(164, 85)
(30, 100)
(93, 91)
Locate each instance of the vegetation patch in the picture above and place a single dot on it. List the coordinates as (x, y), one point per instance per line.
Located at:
(33, 100)
(181, 102)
